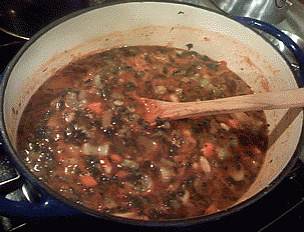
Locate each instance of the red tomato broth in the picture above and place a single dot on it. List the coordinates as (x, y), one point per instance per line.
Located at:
(91, 145)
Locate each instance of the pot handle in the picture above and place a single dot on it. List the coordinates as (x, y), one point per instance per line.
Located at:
(46, 207)
(288, 42)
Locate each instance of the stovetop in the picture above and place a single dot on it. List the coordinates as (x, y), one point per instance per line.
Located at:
(282, 208)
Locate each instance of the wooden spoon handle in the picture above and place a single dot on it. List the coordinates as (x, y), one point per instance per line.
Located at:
(253, 102)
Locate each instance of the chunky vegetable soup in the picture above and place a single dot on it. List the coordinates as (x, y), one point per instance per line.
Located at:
(91, 144)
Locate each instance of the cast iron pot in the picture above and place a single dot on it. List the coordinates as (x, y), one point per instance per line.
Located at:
(152, 23)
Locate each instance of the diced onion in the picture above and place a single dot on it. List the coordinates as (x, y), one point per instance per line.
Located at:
(174, 98)
(71, 100)
(103, 150)
(145, 184)
(166, 173)
(89, 149)
(118, 103)
(117, 95)
(107, 118)
(236, 174)
(241, 116)
(224, 126)
(204, 163)
(97, 81)
(69, 116)
(82, 96)
(125, 215)
(204, 82)
(160, 89)
(167, 162)
(130, 164)
(185, 198)
(223, 153)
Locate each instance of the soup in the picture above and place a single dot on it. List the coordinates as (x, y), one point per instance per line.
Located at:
(91, 144)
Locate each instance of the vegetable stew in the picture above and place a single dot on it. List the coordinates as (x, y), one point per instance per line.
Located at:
(91, 144)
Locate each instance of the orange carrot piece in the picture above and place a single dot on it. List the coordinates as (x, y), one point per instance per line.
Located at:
(256, 150)
(121, 174)
(208, 149)
(116, 158)
(60, 157)
(88, 181)
(172, 69)
(211, 209)
(126, 75)
(96, 107)
(233, 123)
(106, 165)
(138, 63)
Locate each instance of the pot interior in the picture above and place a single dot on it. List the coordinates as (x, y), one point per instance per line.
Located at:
(167, 24)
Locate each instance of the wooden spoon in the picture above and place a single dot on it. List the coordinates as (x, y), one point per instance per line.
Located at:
(253, 102)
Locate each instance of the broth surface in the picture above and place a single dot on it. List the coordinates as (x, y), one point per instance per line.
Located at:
(82, 133)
